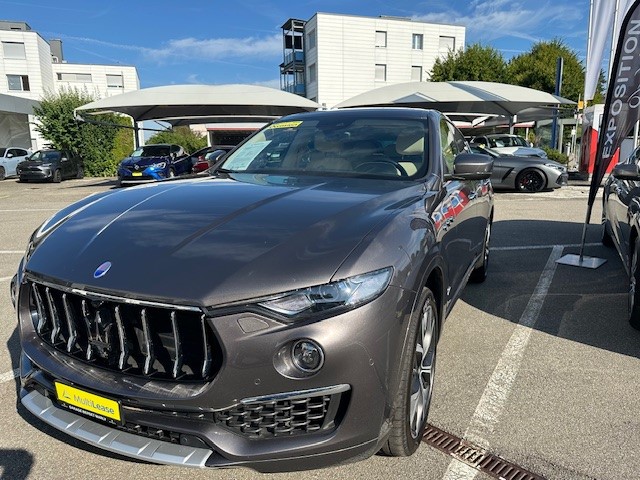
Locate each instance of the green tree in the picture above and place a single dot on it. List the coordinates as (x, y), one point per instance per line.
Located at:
(537, 69)
(95, 143)
(183, 136)
(476, 62)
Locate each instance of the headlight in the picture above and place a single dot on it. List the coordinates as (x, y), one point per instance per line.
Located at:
(159, 165)
(557, 167)
(349, 292)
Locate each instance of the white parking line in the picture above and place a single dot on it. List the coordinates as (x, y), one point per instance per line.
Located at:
(8, 376)
(498, 389)
(30, 210)
(541, 247)
(11, 251)
(5, 279)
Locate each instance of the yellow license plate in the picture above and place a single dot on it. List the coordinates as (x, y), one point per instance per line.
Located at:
(87, 403)
(137, 174)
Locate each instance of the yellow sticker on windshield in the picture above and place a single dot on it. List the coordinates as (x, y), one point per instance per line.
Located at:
(292, 124)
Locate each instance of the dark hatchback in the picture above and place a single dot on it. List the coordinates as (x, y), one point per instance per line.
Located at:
(295, 303)
(50, 165)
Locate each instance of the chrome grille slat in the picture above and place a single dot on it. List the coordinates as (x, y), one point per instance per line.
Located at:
(177, 359)
(41, 311)
(87, 322)
(71, 324)
(147, 345)
(137, 338)
(122, 339)
(206, 364)
(55, 318)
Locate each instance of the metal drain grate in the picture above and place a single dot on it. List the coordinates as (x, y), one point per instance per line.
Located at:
(476, 457)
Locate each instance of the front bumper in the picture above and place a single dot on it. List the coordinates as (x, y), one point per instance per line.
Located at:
(35, 173)
(223, 415)
(149, 174)
(562, 180)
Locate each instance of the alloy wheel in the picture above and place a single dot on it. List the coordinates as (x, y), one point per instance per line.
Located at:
(530, 181)
(422, 373)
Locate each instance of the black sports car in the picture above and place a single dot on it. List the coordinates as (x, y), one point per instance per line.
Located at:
(525, 174)
(280, 314)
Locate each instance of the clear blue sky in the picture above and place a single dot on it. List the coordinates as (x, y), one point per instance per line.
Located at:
(240, 41)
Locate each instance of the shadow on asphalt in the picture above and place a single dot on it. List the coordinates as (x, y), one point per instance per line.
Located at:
(15, 464)
(582, 305)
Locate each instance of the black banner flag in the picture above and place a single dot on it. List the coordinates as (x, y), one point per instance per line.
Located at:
(622, 106)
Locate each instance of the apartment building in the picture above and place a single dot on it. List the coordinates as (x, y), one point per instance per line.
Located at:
(330, 58)
(31, 66)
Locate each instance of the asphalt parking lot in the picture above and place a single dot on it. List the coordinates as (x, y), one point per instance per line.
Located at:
(537, 365)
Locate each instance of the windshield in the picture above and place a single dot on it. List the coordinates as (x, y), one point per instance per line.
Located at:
(337, 146)
(151, 151)
(507, 141)
(43, 155)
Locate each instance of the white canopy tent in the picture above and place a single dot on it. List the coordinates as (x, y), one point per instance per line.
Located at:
(188, 104)
(465, 100)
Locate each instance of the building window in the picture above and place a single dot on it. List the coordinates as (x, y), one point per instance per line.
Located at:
(447, 44)
(13, 50)
(75, 77)
(417, 41)
(18, 82)
(416, 73)
(381, 72)
(312, 73)
(115, 81)
(311, 39)
(381, 39)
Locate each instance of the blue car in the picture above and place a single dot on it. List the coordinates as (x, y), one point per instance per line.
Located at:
(154, 162)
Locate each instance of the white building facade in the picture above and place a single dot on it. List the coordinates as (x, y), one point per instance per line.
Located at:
(345, 55)
(31, 67)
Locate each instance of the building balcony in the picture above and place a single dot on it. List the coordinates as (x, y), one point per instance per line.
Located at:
(297, 88)
(293, 58)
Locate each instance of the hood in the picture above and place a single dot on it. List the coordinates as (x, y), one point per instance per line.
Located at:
(213, 241)
(143, 161)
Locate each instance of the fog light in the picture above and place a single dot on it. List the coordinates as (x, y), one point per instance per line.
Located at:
(307, 356)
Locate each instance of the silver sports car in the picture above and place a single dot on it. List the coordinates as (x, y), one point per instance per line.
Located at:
(525, 174)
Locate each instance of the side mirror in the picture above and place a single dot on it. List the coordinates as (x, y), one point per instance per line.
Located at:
(472, 166)
(214, 156)
(626, 171)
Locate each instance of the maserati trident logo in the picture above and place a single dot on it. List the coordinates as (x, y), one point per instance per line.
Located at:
(102, 270)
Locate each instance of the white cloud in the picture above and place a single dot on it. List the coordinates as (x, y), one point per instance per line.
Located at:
(491, 19)
(214, 49)
(218, 48)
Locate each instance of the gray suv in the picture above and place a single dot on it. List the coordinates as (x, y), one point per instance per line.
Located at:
(50, 165)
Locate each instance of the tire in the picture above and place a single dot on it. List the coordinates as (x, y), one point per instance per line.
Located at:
(634, 291)
(80, 173)
(417, 369)
(607, 240)
(479, 274)
(172, 173)
(3, 174)
(57, 176)
(531, 180)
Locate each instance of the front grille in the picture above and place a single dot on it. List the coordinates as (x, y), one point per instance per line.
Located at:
(282, 417)
(155, 342)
